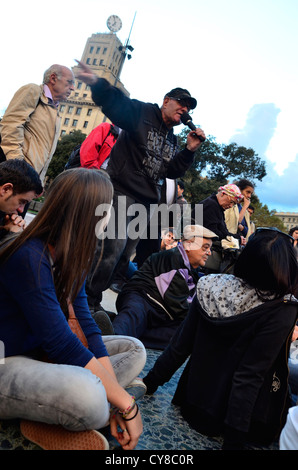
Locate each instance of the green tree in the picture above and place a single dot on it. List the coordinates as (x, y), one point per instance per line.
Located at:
(64, 148)
(215, 164)
(237, 161)
(263, 217)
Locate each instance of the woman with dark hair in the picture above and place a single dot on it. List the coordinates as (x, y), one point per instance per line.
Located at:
(42, 282)
(237, 334)
(294, 233)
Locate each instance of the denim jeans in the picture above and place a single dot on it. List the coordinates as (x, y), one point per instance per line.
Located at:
(68, 395)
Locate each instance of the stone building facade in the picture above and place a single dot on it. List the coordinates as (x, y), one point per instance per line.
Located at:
(105, 55)
(289, 219)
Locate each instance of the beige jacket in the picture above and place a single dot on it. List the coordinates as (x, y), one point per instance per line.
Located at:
(232, 220)
(30, 128)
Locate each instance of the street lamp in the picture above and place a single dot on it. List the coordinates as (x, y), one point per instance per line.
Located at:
(123, 50)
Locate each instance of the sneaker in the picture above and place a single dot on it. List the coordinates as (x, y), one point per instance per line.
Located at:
(99, 308)
(103, 322)
(55, 437)
(137, 388)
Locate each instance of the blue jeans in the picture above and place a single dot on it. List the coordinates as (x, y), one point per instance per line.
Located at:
(68, 395)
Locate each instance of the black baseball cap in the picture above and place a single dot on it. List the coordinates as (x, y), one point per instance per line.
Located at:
(182, 94)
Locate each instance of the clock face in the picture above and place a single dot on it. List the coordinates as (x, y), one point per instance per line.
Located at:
(114, 23)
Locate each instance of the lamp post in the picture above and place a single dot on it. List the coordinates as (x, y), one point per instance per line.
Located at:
(124, 53)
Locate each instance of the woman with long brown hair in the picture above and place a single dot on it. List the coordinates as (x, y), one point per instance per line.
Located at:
(42, 280)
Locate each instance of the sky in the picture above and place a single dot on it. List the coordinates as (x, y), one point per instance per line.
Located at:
(238, 58)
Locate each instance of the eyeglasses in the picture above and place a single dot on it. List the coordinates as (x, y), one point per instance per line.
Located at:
(183, 102)
(231, 200)
(274, 229)
(206, 248)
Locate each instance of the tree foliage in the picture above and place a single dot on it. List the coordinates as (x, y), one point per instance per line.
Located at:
(64, 148)
(222, 162)
(263, 217)
(218, 164)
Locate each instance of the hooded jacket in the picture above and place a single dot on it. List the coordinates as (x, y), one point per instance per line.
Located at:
(146, 151)
(236, 379)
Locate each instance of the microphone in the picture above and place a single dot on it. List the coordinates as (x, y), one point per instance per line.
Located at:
(187, 121)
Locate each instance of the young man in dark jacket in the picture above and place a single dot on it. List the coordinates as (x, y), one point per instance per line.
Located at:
(19, 184)
(145, 153)
(155, 301)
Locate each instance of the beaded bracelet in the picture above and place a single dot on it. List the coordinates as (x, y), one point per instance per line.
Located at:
(128, 410)
(129, 419)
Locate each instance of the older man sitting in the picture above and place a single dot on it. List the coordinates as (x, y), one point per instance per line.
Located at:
(153, 303)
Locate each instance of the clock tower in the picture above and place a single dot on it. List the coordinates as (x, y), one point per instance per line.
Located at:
(114, 23)
(103, 53)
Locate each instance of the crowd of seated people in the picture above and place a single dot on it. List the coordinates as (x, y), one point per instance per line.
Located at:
(234, 330)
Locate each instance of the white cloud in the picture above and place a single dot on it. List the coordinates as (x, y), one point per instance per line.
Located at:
(279, 191)
(276, 190)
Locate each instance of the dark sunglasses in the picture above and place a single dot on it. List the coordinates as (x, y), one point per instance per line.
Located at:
(183, 102)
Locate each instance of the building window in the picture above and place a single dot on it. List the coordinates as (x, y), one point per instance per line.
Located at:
(75, 122)
(62, 133)
(78, 111)
(105, 50)
(94, 62)
(62, 108)
(101, 62)
(91, 49)
(88, 61)
(66, 121)
(85, 124)
(89, 112)
(79, 86)
(70, 109)
(97, 50)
